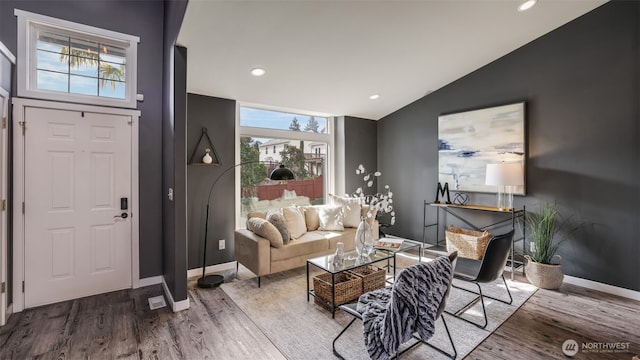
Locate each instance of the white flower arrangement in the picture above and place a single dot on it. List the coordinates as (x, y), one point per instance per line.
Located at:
(383, 202)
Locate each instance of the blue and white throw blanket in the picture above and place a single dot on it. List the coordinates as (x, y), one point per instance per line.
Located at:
(391, 315)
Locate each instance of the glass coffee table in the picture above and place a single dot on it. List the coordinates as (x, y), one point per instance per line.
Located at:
(352, 261)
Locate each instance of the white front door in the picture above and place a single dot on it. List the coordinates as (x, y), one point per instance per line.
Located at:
(77, 168)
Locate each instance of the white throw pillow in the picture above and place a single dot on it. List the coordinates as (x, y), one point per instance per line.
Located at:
(350, 207)
(295, 221)
(331, 218)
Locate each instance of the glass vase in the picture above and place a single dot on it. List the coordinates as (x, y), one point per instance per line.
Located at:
(364, 239)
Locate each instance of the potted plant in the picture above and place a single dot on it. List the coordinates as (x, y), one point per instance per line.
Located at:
(542, 267)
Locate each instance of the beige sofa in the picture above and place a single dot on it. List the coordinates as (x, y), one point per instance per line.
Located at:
(256, 253)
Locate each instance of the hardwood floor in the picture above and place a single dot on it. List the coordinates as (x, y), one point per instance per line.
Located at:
(121, 325)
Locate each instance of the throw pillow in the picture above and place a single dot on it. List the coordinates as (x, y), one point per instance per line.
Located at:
(265, 229)
(258, 214)
(331, 218)
(281, 224)
(350, 207)
(311, 217)
(295, 222)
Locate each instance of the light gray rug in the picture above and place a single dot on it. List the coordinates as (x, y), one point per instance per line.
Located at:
(304, 330)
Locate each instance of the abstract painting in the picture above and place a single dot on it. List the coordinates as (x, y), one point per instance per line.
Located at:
(470, 140)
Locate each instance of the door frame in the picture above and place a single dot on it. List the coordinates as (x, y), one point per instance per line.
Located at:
(19, 106)
(6, 310)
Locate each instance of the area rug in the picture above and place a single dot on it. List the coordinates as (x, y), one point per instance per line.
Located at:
(301, 329)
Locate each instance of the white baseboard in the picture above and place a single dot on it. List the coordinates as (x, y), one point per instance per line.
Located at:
(211, 269)
(175, 306)
(605, 288)
(153, 280)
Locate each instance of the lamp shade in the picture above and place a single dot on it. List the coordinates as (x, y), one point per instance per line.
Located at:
(281, 173)
(505, 174)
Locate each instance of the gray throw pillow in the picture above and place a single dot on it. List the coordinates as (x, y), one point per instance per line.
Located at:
(281, 224)
(265, 229)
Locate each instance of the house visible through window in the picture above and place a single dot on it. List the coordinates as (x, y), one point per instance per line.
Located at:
(298, 141)
(66, 61)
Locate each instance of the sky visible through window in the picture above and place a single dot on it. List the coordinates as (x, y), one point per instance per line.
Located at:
(55, 74)
(279, 120)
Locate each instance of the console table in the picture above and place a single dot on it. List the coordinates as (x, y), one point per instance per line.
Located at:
(464, 212)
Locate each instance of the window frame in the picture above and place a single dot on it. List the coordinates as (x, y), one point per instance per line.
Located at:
(31, 24)
(328, 137)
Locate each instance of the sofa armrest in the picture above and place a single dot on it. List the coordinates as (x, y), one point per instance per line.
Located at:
(252, 251)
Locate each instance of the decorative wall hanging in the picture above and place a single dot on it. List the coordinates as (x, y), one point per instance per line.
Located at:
(468, 141)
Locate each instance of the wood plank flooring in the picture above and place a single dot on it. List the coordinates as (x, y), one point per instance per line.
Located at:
(120, 325)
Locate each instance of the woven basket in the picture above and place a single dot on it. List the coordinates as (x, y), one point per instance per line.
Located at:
(372, 277)
(468, 243)
(544, 276)
(348, 288)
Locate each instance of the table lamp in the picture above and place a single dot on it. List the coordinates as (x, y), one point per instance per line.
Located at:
(506, 176)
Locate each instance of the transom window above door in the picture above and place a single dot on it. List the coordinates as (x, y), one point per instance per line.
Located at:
(65, 61)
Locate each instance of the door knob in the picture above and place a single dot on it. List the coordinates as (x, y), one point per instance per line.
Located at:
(124, 215)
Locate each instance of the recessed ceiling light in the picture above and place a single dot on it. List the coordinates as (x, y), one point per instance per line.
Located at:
(374, 96)
(258, 71)
(526, 5)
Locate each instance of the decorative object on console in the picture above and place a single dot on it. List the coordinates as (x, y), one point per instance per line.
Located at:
(506, 176)
(442, 191)
(460, 198)
(280, 173)
(541, 268)
(470, 140)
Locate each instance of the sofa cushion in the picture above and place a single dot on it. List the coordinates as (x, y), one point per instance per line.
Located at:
(311, 217)
(295, 221)
(331, 218)
(265, 229)
(280, 223)
(350, 207)
(309, 243)
(347, 237)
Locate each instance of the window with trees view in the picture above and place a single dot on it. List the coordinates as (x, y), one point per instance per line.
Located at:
(61, 60)
(298, 141)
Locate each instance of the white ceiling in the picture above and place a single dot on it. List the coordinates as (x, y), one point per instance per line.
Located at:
(328, 57)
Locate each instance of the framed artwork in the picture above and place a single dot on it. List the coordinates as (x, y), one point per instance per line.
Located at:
(468, 141)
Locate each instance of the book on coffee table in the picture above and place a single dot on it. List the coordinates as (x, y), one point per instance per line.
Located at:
(388, 244)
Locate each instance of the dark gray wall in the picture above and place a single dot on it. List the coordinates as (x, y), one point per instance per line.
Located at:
(218, 116)
(360, 147)
(144, 19)
(173, 153)
(581, 84)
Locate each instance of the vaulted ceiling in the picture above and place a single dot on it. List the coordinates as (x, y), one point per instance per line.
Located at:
(329, 57)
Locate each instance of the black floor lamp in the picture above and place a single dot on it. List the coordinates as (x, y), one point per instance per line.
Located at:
(210, 281)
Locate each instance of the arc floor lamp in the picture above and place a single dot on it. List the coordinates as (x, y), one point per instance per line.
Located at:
(279, 173)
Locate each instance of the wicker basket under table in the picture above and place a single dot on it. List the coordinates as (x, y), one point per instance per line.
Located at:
(372, 277)
(469, 243)
(348, 287)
